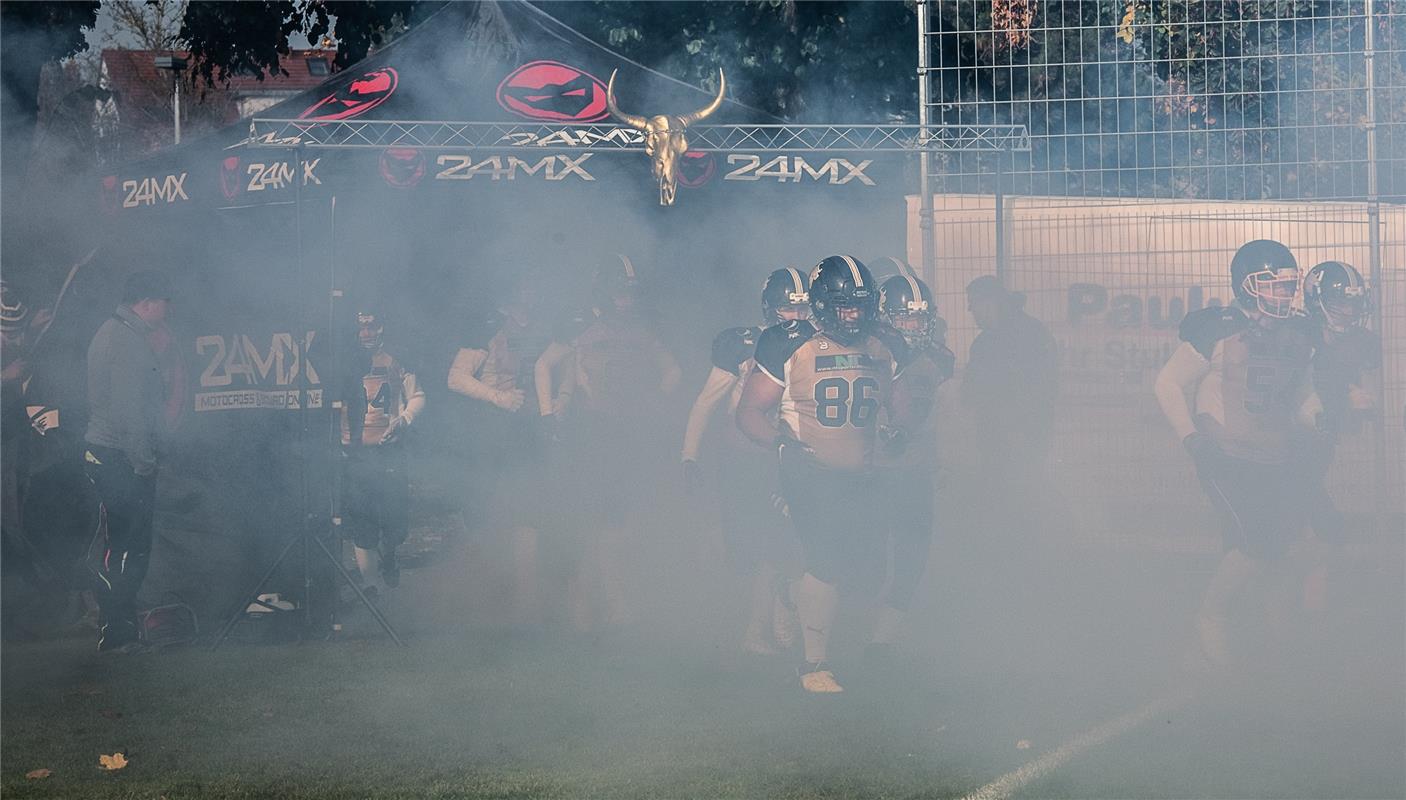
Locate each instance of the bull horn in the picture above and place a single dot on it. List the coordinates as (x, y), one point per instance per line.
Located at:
(638, 123)
(706, 111)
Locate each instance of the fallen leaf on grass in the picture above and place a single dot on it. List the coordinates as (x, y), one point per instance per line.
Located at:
(38, 774)
(110, 713)
(1023, 744)
(115, 761)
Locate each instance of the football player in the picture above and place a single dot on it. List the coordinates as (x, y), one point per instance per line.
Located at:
(1335, 298)
(617, 375)
(1237, 391)
(830, 377)
(745, 477)
(381, 400)
(908, 478)
(1344, 360)
(501, 375)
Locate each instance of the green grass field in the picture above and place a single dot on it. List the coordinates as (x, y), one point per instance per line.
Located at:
(465, 711)
(672, 709)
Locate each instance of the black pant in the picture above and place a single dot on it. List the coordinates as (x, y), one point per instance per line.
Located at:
(1260, 505)
(376, 497)
(122, 544)
(834, 514)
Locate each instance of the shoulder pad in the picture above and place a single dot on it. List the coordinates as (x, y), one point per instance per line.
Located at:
(776, 345)
(1204, 328)
(733, 347)
(895, 342)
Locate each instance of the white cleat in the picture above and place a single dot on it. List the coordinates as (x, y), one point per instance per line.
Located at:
(820, 681)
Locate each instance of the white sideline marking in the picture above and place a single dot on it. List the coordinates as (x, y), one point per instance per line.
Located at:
(1012, 782)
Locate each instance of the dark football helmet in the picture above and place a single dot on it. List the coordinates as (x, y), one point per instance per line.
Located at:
(844, 300)
(884, 266)
(784, 289)
(1265, 276)
(370, 328)
(13, 311)
(1335, 295)
(907, 303)
(617, 286)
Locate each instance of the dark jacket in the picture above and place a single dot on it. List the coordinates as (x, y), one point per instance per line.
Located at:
(1011, 380)
(126, 395)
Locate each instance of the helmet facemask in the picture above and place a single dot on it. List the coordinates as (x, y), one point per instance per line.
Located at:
(369, 330)
(1273, 290)
(840, 325)
(1343, 308)
(917, 326)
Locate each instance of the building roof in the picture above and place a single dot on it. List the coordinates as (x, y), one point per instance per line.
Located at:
(131, 73)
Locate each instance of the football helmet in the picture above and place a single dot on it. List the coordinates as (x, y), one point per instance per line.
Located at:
(786, 288)
(13, 311)
(1265, 277)
(907, 303)
(844, 300)
(889, 265)
(1335, 295)
(617, 286)
(370, 329)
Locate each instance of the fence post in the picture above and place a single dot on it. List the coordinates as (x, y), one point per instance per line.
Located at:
(1374, 248)
(1000, 217)
(928, 264)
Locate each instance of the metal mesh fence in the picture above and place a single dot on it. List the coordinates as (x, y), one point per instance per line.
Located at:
(1164, 135)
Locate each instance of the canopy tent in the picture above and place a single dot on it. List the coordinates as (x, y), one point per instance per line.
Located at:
(268, 234)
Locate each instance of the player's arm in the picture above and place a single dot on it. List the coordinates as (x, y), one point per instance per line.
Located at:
(1307, 404)
(412, 403)
(761, 394)
(719, 383)
(414, 397)
(1177, 379)
(555, 377)
(463, 378)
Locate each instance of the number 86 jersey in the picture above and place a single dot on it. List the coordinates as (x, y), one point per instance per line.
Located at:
(832, 391)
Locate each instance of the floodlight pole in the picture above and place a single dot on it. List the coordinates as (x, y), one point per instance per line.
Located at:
(1374, 254)
(928, 262)
(175, 65)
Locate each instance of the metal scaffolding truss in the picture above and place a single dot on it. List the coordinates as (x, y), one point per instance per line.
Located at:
(433, 135)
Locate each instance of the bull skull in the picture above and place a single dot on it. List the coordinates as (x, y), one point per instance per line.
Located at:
(664, 140)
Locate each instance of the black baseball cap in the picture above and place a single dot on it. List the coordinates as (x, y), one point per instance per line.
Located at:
(147, 284)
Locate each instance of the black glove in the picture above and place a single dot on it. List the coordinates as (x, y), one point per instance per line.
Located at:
(794, 451)
(894, 440)
(692, 477)
(1204, 452)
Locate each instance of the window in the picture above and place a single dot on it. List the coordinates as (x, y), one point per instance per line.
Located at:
(317, 66)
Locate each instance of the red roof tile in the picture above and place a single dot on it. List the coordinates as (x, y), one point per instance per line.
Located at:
(133, 72)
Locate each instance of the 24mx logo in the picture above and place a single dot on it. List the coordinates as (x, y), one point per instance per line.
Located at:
(279, 175)
(792, 169)
(147, 191)
(553, 168)
(237, 360)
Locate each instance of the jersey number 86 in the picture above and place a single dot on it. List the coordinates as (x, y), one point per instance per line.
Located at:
(833, 406)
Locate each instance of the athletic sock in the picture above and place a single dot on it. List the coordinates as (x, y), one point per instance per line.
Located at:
(815, 605)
